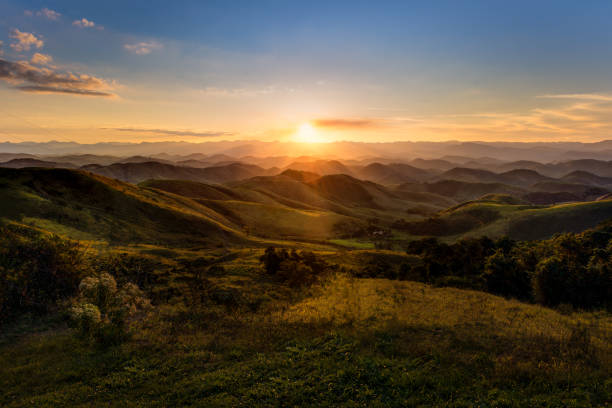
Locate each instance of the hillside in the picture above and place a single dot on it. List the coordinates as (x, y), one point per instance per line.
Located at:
(323, 167)
(393, 173)
(374, 341)
(29, 162)
(462, 191)
(141, 171)
(502, 215)
(85, 206)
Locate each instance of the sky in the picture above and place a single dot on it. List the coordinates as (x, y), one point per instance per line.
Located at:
(308, 71)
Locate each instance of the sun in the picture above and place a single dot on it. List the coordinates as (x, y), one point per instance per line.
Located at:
(306, 133)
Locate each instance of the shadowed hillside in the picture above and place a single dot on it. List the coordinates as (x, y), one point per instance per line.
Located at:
(85, 206)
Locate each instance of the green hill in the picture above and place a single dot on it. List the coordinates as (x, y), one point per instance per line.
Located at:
(85, 206)
(496, 216)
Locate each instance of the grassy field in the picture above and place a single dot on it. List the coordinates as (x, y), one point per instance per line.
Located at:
(523, 222)
(249, 338)
(347, 342)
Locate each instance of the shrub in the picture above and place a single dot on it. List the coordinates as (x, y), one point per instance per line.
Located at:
(101, 312)
(551, 281)
(503, 276)
(295, 269)
(36, 271)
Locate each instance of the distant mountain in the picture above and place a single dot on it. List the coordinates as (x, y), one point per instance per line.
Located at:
(137, 172)
(322, 167)
(462, 191)
(584, 177)
(469, 175)
(598, 167)
(83, 159)
(583, 191)
(4, 157)
(303, 176)
(194, 163)
(394, 173)
(467, 154)
(433, 164)
(142, 159)
(522, 177)
(22, 163)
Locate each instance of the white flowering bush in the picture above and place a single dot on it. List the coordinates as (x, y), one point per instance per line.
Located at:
(102, 310)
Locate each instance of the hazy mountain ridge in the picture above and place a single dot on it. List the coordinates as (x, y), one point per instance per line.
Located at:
(398, 151)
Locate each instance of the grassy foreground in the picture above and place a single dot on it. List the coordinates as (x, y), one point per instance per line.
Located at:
(347, 342)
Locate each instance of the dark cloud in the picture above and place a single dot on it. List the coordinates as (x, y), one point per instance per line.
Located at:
(29, 78)
(50, 89)
(172, 132)
(346, 123)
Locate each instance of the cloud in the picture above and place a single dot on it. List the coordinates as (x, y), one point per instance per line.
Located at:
(41, 59)
(29, 78)
(84, 23)
(70, 91)
(172, 132)
(1, 50)
(242, 92)
(583, 96)
(340, 123)
(44, 12)
(142, 48)
(50, 14)
(24, 41)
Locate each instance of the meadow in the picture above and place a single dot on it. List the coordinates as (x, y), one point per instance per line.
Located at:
(261, 300)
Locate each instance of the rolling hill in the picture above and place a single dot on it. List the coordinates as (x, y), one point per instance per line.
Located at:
(29, 162)
(323, 167)
(82, 205)
(394, 173)
(495, 218)
(137, 172)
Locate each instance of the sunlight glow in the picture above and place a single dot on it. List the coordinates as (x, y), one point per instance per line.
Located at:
(307, 133)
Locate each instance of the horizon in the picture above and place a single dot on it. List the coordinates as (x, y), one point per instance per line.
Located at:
(307, 73)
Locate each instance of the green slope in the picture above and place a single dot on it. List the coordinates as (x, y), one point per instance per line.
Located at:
(79, 204)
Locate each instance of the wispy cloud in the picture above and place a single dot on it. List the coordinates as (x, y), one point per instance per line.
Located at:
(582, 96)
(143, 48)
(243, 92)
(29, 78)
(341, 123)
(85, 23)
(584, 115)
(172, 132)
(1, 50)
(44, 12)
(24, 41)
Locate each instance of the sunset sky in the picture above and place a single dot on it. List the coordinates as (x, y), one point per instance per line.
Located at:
(307, 71)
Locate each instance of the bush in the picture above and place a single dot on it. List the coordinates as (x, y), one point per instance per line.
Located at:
(503, 276)
(36, 271)
(101, 312)
(295, 269)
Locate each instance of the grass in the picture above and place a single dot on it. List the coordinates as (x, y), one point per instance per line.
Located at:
(527, 222)
(348, 342)
(352, 243)
(344, 342)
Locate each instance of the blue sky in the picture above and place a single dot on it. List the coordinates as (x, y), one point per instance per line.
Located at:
(385, 70)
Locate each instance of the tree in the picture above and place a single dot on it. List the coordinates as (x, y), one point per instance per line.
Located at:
(503, 276)
(550, 281)
(101, 311)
